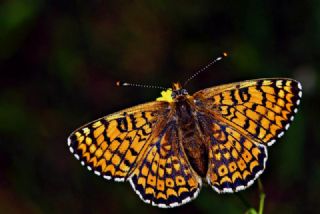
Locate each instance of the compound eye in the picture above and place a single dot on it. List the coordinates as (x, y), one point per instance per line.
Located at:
(173, 94)
(184, 92)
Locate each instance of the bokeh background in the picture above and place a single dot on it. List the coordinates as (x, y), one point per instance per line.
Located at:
(59, 61)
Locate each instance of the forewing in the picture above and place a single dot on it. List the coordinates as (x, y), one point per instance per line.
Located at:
(110, 146)
(235, 161)
(262, 109)
(164, 177)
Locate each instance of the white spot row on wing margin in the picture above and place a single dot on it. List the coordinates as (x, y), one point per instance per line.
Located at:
(239, 188)
(90, 168)
(175, 204)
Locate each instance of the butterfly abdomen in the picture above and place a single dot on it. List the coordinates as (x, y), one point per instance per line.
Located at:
(192, 142)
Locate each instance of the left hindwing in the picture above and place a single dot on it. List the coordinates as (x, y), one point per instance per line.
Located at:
(164, 177)
(261, 109)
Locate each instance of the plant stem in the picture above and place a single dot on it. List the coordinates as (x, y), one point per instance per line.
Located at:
(262, 196)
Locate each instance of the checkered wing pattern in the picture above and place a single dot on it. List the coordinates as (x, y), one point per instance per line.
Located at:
(156, 146)
(235, 160)
(111, 146)
(164, 177)
(260, 109)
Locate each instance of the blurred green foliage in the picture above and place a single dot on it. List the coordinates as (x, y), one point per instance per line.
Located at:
(59, 61)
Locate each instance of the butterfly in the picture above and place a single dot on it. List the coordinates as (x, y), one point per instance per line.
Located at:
(168, 148)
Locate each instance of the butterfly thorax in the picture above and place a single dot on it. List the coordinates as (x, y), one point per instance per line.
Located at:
(192, 139)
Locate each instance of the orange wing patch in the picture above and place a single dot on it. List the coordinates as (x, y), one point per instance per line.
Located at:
(164, 177)
(111, 145)
(262, 109)
(234, 160)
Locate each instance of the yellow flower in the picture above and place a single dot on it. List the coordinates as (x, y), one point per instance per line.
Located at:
(166, 96)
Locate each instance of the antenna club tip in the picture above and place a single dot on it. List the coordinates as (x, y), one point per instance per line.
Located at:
(119, 83)
(225, 54)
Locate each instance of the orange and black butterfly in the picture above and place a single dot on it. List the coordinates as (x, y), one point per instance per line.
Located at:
(167, 148)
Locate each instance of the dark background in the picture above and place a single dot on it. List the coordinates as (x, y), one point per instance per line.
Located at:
(59, 61)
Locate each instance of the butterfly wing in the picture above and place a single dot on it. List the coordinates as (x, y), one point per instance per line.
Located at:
(165, 178)
(235, 160)
(111, 146)
(261, 109)
(242, 119)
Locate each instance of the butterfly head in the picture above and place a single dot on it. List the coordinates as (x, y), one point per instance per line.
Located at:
(177, 90)
(172, 93)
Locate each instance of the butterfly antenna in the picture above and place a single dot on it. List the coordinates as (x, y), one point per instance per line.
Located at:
(224, 54)
(119, 83)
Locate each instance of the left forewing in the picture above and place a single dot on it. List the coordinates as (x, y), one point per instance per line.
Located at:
(110, 146)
